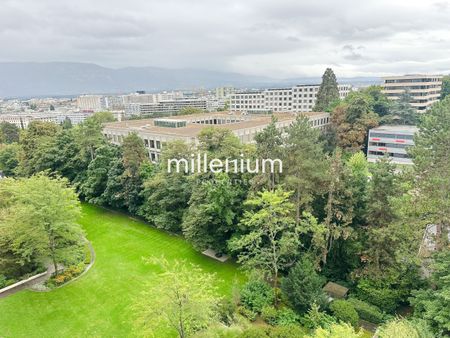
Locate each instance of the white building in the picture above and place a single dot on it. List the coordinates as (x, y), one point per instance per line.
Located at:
(168, 107)
(391, 140)
(300, 98)
(91, 102)
(424, 89)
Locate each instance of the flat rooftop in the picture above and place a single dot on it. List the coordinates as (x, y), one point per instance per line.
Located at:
(397, 129)
(192, 129)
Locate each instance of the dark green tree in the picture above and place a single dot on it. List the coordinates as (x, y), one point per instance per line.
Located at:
(9, 133)
(445, 91)
(328, 91)
(402, 112)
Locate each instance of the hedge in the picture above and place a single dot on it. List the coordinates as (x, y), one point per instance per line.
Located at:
(367, 311)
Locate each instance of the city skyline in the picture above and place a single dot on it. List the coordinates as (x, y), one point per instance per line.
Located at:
(277, 40)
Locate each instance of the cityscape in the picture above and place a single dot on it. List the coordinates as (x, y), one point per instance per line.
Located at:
(225, 170)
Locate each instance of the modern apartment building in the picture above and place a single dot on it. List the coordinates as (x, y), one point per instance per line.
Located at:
(424, 89)
(300, 98)
(168, 107)
(23, 120)
(91, 102)
(156, 132)
(391, 140)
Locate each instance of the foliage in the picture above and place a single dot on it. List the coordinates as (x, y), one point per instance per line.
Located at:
(378, 293)
(270, 237)
(256, 294)
(39, 221)
(316, 318)
(402, 112)
(336, 331)
(303, 286)
(183, 298)
(434, 305)
(367, 311)
(345, 311)
(328, 91)
(9, 133)
(286, 316)
(404, 328)
(9, 158)
(445, 91)
(190, 111)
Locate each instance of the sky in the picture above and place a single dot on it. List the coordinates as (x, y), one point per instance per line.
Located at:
(274, 38)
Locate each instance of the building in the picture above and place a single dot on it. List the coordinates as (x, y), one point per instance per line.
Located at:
(168, 107)
(23, 120)
(299, 98)
(424, 89)
(224, 92)
(391, 140)
(91, 102)
(156, 132)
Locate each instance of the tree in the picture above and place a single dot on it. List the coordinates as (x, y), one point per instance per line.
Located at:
(303, 286)
(401, 327)
(433, 305)
(328, 91)
(182, 298)
(381, 105)
(359, 184)
(89, 136)
(270, 238)
(9, 158)
(402, 112)
(305, 164)
(445, 91)
(344, 311)
(39, 220)
(351, 121)
(214, 208)
(268, 145)
(190, 111)
(9, 133)
(166, 194)
(432, 163)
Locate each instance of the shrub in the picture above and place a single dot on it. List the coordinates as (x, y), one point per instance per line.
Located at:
(287, 331)
(303, 286)
(286, 316)
(256, 294)
(404, 328)
(247, 313)
(379, 294)
(344, 310)
(269, 314)
(340, 330)
(226, 310)
(367, 311)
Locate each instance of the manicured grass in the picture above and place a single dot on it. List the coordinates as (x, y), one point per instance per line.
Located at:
(98, 304)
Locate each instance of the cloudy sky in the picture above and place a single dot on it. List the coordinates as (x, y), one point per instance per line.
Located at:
(277, 38)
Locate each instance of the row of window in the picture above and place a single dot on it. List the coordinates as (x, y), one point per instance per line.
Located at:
(390, 145)
(395, 136)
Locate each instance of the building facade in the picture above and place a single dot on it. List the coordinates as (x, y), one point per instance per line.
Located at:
(157, 132)
(168, 107)
(424, 89)
(391, 140)
(300, 98)
(91, 102)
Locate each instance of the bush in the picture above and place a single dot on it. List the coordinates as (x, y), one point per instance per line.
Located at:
(247, 313)
(303, 286)
(379, 294)
(400, 327)
(290, 331)
(344, 310)
(226, 311)
(340, 330)
(257, 294)
(269, 315)
(367, 311)
(286, 316)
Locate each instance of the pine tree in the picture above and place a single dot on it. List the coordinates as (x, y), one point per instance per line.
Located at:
(328, 91)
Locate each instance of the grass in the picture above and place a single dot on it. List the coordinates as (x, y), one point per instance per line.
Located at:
(98, 304)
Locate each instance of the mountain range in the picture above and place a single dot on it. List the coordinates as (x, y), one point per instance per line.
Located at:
(32, 79)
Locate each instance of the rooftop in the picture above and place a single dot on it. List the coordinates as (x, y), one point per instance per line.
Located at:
(397, 129)
(193, 127)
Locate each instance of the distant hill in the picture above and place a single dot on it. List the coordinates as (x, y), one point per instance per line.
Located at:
(31, 79)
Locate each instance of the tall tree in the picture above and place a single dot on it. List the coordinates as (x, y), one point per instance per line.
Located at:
(9, 159)
(182, 298)
(328, 91)
(305, 164)
(402, 112)
(270, 237)
(432, 165)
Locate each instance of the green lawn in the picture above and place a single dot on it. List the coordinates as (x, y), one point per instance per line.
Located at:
(98, 304)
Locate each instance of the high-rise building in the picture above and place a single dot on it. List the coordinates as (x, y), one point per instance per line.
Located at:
(424, 89)
(91, 102)
(299, 98)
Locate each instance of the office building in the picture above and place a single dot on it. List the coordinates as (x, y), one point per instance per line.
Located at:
(299, 98)
(424, 89)
(156, 132)
(160, 108)
(391, 140)
(91, 102)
